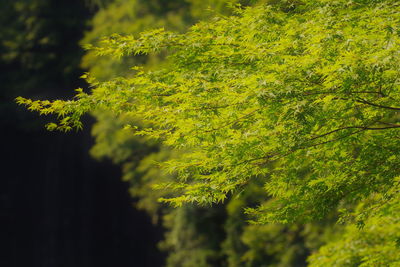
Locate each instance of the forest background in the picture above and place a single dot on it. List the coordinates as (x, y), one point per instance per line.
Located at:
(220, 234)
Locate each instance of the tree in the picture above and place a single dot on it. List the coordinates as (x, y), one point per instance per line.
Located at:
(301, 98)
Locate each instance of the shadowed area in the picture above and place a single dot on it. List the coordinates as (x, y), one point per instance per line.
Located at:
(59, 207)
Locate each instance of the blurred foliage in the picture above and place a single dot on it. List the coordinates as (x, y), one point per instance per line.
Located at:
(373, 240)
(39, 53)
(36, 32)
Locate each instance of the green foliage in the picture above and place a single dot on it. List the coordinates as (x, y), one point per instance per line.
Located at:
(376, 244)
(137, 155)
(39, 54)
(135, 16)
(194, 237)
(301, 97)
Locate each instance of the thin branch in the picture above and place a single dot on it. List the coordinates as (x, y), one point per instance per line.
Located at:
(357, 127)
(215, 107)
(352, 92)
(360, 100)
(332, 140)
(361, 129)
(233, 122)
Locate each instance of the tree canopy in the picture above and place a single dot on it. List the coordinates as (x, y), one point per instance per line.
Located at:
(300, 97)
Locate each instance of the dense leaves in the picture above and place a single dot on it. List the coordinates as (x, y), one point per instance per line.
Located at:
(301, 97)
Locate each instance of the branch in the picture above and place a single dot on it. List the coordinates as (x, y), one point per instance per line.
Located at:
(360, 100)
(361, 129)
(232, 122)
(358, 127)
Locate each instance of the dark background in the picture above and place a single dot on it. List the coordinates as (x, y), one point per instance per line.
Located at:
(59, 207)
